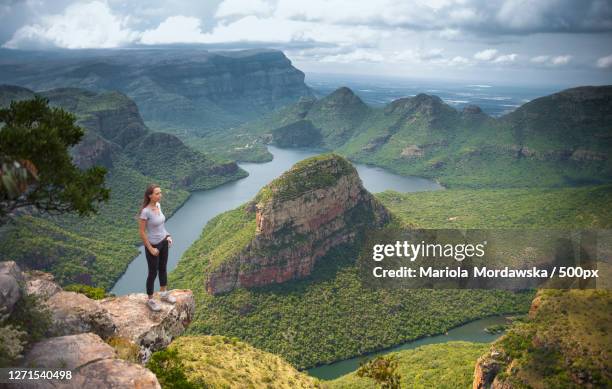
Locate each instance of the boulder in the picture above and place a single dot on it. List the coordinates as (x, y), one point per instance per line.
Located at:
(115, 374)
(11, 281)
(92, 362)
(151, 331)
(68, 352)
(75, 313)
(41, 284)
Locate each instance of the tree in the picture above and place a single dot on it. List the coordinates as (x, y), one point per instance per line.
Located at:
(383, 369)
(36, 169)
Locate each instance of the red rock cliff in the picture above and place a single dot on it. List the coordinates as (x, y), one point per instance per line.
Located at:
(318, 204)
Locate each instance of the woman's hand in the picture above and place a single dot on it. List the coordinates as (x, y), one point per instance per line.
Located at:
(154, 251)
(169, 239)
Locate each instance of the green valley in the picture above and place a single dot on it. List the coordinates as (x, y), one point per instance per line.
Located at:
(96, 250)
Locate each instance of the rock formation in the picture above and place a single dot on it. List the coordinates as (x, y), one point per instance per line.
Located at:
(92, 362)
(562, 344)
(80, 326)
(319, 204)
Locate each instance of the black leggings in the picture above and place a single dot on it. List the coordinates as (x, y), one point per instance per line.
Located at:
(156, 263)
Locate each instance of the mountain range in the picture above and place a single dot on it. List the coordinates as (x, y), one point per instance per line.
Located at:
(564, 139)
(174, 88)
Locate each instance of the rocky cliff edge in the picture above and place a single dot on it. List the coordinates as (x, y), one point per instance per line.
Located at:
(82, 329)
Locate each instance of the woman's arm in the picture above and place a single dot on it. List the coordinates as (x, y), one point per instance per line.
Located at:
(145, 240)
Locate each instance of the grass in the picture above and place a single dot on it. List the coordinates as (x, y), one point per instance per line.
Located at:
(449, 365)
(222, 362)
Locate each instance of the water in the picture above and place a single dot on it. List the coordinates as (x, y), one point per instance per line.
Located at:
(470, 332)
(189, 220)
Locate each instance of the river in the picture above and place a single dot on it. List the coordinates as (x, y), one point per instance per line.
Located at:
(188, 221)
(470, 332)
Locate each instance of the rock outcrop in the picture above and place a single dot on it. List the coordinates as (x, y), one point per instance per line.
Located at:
(563, 343)
(151, 331)
(317, 205)
(11, 280)
(75, 313)
(80, 326)
(91, 361)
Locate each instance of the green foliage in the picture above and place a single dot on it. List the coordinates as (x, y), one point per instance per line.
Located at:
(89, 291)
(223, 362)
(383, 369)
(423, 136)
(96, 249)
(34, 132)
(305, 320)
(312, 173)
(226, 235)
(588, 207)
(11, 342)
(76, 249)
(563, 343)
(299, 134)
(447, 365)
(169, 369)
(27, 324)
(125, 348)
(312, 320)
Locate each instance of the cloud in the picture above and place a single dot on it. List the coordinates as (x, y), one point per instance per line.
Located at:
(506, 58)
(605, 62)
(81, 25)
(540, 59)
(458, 61)
(230, 8)
(175, 29)
(558, 60)
(552, 16)
(359, 55)
(561, 60)
(486, 55)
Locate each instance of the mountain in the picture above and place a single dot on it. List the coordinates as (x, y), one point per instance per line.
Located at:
(281, 273)
(292, 223)
(559, 140)
(564, 343)
(76, 249)
(174, 87)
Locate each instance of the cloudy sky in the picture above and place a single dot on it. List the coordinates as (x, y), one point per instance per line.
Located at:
(526, 41)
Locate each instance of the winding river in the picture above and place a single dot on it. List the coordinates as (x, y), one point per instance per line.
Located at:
(470, 332)
(188, 221)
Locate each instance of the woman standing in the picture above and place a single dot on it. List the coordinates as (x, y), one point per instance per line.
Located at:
(156, 241)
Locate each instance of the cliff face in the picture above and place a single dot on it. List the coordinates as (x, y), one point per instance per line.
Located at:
(563, 343)
(90, 336)
(317, 205)
(192, 86)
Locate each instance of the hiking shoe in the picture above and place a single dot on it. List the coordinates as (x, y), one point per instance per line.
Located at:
(153, 305)
(165, 296)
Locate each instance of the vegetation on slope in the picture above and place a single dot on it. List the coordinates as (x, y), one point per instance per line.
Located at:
(306, 322)
(565, 343)
(222, 362)
(569, 208)
(557, 140)
(95, 250)
(446, 366)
